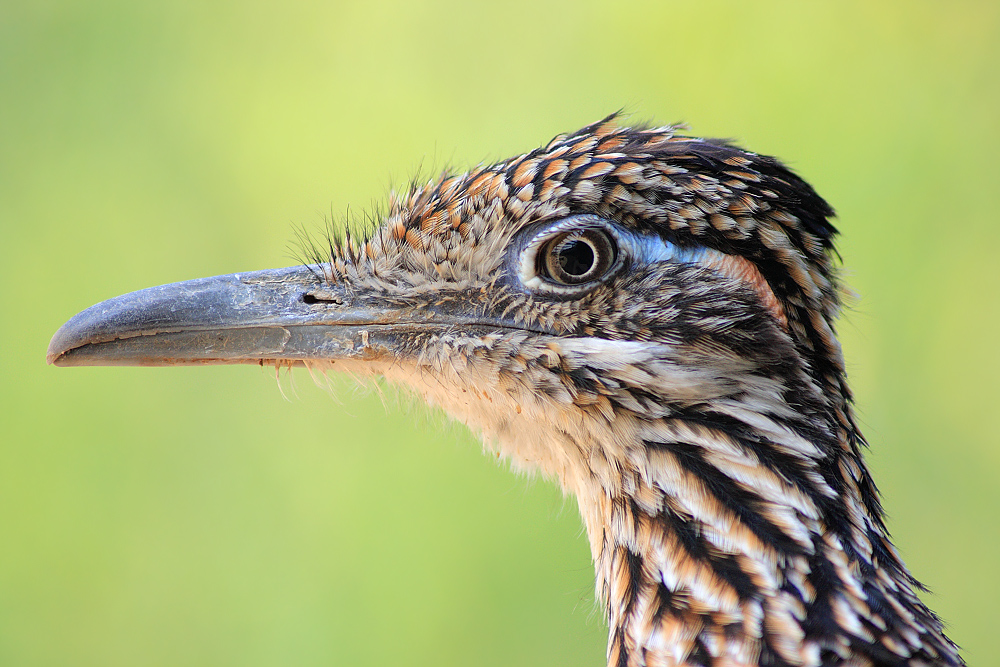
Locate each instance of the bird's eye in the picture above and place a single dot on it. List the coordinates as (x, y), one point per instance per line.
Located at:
(572, 256)
(577, 257)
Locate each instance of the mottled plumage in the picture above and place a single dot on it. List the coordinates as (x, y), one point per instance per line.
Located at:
(690, 393)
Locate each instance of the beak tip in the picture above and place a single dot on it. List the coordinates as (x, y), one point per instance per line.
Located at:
(64, 340)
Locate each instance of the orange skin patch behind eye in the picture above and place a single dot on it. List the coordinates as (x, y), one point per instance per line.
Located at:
(744, 270)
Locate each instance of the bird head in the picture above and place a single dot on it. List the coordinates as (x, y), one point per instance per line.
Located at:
(615, 273)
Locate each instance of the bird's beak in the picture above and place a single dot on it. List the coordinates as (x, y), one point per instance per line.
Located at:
(285, 315)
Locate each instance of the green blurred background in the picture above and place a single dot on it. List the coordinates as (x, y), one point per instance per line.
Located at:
(197, 516)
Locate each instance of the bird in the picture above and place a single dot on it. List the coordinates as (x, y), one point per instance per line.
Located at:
(647, 318)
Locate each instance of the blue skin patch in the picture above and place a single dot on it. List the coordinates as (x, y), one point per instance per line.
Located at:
(651, 249)
(642, 249)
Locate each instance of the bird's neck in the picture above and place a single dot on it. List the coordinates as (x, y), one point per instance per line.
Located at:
(706, 554)
(731, 517)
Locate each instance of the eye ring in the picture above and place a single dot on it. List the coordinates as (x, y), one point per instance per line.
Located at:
(576, 257)
(571, 256)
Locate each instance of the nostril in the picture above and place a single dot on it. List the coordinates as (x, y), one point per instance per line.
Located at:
(312, 298)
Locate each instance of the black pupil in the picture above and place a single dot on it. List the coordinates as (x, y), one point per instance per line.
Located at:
(576, 258)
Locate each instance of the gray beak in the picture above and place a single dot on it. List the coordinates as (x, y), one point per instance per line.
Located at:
(284, 315)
